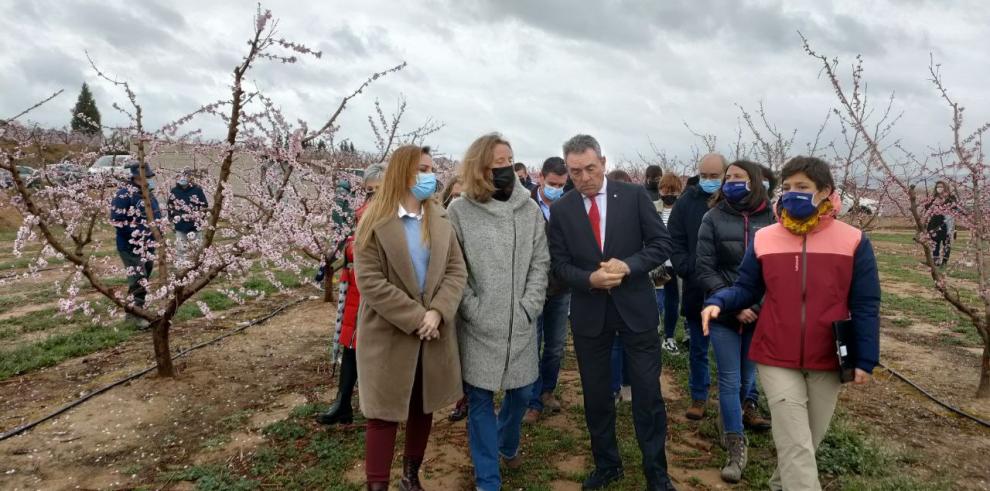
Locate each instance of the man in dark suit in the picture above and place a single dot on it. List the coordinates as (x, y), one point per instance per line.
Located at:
(604, 239)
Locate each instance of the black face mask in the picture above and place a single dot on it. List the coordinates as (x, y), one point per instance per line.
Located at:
(503, 178)
(652, 185)
(668, 199)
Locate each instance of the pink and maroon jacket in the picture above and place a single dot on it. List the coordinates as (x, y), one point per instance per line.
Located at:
(809, 282)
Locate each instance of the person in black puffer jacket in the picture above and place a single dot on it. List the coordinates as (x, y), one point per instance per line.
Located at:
(739, 209)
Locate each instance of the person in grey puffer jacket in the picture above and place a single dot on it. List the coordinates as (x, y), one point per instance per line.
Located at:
(501, 232)
(739, 209)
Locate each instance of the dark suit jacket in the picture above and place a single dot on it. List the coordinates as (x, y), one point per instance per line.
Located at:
(634, 233)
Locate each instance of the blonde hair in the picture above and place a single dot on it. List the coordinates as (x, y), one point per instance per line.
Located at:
(400, 175)
(476, 178)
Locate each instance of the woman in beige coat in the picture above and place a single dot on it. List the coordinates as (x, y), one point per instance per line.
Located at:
(411, 274)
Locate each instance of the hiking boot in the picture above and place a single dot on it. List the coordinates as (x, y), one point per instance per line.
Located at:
(550, 402)
(738, 457)
(532, 416)
(513, 463)
(752, 419)
(337, 414)
(670, 346)
(697, 410)
(410, 475)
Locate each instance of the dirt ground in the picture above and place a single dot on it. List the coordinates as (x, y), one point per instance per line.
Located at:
(124, 438)
(113, 440)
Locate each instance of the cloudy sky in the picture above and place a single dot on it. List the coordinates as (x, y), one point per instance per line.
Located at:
(627, 71)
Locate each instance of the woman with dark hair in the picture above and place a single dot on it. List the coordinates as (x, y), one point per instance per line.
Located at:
(502, 233)
(409, 265)
(811, 270)
(739, 209)
(651, 180)
(940, 208)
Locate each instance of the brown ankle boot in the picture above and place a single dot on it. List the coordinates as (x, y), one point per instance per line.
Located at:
(377, 486)
(410, 475)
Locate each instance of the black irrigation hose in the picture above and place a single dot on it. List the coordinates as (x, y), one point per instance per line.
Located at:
(938, 401)
(25, 427)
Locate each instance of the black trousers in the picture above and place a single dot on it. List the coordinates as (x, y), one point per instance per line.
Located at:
(642, 364)
(348, 378)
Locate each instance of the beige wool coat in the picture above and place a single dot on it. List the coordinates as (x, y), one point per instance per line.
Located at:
(391, 310)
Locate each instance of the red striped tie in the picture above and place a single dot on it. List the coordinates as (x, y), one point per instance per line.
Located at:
(595, 218)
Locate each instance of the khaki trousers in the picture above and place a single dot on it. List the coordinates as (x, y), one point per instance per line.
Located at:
(801, 405)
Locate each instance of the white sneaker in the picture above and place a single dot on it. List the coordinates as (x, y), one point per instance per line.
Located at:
(670, 346)
(625, 393)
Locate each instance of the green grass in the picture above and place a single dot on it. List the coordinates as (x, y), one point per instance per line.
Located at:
(298, 454)
(55, 349)
(894, 238)
(935, 312)
(211, 478)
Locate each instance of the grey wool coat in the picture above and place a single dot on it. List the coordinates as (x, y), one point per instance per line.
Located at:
(392, 308)
(505, 251)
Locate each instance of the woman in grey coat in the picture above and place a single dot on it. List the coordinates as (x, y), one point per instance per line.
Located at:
(501, 231)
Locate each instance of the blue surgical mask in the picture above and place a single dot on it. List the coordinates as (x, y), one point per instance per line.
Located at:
(799, 205)
(766, 185)
(426, 185)
(735, 191)
(551, 193)
(183, 182)
(151, 184)
(709, 186)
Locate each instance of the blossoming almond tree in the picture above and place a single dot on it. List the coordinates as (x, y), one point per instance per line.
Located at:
(251, 218)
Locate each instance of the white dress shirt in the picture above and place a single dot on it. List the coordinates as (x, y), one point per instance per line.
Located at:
(602, 201)
(403, 213)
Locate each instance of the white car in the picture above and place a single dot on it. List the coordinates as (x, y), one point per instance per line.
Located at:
(868, 206)
(111, 164)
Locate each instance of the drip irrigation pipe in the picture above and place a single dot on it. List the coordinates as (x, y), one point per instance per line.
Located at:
(28, 426)
(938, 401)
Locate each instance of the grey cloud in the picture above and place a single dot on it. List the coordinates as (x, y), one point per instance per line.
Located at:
(51, 67)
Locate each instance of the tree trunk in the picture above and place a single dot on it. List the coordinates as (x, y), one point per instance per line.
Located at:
(983, 391)
(163, 355)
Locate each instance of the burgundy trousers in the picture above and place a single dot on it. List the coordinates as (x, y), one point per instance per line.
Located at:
(380, 436)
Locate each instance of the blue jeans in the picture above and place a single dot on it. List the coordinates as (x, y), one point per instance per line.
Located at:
(489, 435)
(736, 373)
(669, 307)
(699, 379)
(552, 335)
(618, 364)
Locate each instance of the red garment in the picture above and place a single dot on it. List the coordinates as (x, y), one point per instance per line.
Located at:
(380, 436)
(810, 277)
(352, 300)
(595, 218)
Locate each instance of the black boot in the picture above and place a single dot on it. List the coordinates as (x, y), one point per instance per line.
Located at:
(340, 411)
(410, 475)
